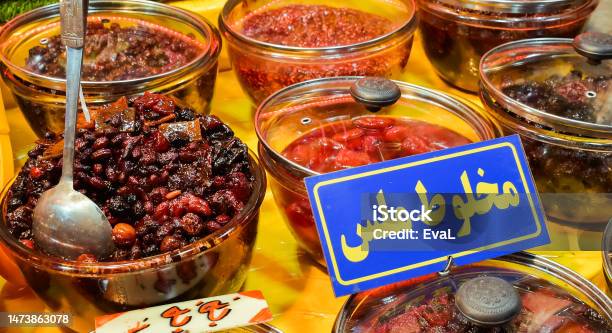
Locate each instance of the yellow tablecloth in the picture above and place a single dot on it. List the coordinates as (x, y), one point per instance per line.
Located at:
(298, 290)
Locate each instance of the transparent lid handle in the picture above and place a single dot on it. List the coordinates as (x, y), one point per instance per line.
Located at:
(488, 301)
(596, 46)
(375, 92)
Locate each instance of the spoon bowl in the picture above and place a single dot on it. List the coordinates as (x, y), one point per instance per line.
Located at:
(70, 224)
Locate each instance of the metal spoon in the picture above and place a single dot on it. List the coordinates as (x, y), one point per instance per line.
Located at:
(66, 223)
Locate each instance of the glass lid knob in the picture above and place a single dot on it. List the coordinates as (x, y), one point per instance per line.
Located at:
(375, 92)
(488, 301)
(596, 46)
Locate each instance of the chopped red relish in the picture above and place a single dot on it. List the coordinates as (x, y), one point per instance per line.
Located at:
(160, 192)
(368, 140)
(115, 52)
(315, 26)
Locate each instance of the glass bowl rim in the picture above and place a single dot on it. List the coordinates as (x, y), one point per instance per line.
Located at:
(607, 252)
(525, 111)
(534, 261)
(407, 28)
(208, 56)
(434, 95)
(98, 269)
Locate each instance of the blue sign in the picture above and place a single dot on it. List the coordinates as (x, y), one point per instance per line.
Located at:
(399, 219)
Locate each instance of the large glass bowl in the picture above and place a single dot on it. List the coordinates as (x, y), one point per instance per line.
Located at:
(367, 311)
(300, 110)
(41, 98)
(570, 158)
(263, 68)
(214, 265)
(457, 33)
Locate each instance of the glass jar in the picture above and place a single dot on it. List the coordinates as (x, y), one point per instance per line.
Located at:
(267, 56)
(214, 265)
(317, 126)
(204, 256)
(32, 59)
(558, 101)
(457, 33)
(551, 298)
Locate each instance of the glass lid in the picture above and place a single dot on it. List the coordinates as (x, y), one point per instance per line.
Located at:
(126, 41)
(516, 6)
(550, 82)
(331, 124)
(510, 294)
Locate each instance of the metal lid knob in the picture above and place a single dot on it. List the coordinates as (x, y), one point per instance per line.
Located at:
(375, 92)
(488, 301)
(596, 46)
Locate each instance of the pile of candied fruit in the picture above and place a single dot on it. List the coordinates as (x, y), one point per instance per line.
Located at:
(163, 175)
(574, 96)
(113, 52)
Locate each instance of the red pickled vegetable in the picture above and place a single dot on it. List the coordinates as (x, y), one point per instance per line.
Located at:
(366, 140)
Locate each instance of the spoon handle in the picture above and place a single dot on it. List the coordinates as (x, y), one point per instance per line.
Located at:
(73, 24)
(73, 17)
(73, 77)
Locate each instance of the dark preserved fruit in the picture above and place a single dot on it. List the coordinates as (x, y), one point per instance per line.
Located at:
(581, 174)
(455, 36)
(160, 191)
(114, 52)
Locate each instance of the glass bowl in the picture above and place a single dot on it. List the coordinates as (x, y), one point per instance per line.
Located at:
(457, 33)
(214, 265)
(41, 98)
(607, 253)
(263, 67)
(346, 134)
(556, 296)
(558, 102)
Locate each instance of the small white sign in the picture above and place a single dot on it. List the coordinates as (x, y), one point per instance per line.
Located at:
(197, 316)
